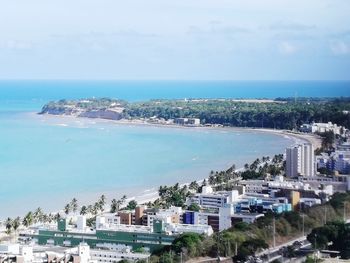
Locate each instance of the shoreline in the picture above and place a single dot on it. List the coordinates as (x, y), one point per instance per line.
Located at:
(145, 195)
(151, 196)
(296, 136)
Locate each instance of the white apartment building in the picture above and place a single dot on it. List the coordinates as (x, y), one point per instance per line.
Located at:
(321, 128)
(214, 200)
(300, 160)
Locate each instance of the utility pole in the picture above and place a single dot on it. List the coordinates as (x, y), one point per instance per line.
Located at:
(344, 215)
(274, 232)
(218, 245)
(315, 248)
(325, 215)
(228, 249)
(303, 216)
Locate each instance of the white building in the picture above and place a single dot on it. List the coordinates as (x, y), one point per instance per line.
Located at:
(300, 160)
(214, 200)
(321, 128)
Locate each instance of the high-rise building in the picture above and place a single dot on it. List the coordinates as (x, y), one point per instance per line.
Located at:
(300, 160)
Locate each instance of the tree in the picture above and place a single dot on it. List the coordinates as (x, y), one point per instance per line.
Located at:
(123, 199)
(16, 223)
(250, 247)
(38, 215)
(57, 217)
(28, 219)
(194, 207)
(102, 202)
(83, 210)
(335, 233)
(50, 218)
(114, 206)
(8, 225)
(119, 204)
(67, 209)
(131, 205)
(189, 242)
(74, 205)
(194, 186)
(96, 208)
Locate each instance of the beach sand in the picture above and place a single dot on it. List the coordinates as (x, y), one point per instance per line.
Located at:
(146, 195)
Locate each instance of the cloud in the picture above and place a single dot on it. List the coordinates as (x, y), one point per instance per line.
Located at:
(339, 47)
(217, 28)
(287, 48)
(291, 26)
(16, 45)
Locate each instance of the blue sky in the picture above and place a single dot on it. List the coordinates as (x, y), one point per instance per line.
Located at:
(180, 39)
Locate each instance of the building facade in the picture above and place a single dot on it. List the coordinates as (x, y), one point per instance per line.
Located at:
(300, 160)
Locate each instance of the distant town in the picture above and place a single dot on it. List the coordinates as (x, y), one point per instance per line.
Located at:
(274, 209)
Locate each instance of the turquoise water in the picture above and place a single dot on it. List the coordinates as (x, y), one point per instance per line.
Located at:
(36, 93)
(46, 161)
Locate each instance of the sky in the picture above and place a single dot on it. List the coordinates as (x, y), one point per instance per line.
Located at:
(179, 39)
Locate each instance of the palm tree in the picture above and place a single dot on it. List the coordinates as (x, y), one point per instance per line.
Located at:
(8, 225)
(57, 217)
(16, 223)
(211, 179)
(74, 205)
(96, 208)
(119, 204)
(114, 206)
(102, 202)
(90, 209)
(38, 215)
(45, 218)
(83, 210)
(194, 186)
(50, 218)
(161, 191)
(28, 219)
(67, 209)
(123, 199)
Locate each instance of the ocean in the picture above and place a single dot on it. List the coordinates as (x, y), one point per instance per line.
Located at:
(45, 161)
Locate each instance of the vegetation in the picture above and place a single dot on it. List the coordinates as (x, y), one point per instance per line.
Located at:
(88, 104)
(242, 240)
(334, 236)
(131, 205)
(279, 114)
(247, 239)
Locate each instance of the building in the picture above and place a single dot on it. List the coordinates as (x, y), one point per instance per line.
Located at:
(337, 161)
(300, 160)
(126, 217)
(211, 200)
(322, 127)
(187, 121)
(221, 210)
(293, 161)
(80, 254)
(134, 236)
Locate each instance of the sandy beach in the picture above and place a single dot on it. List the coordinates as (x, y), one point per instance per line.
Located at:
(152, 194)
(315, 140)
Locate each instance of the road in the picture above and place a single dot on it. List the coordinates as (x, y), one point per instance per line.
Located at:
(273, 253)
